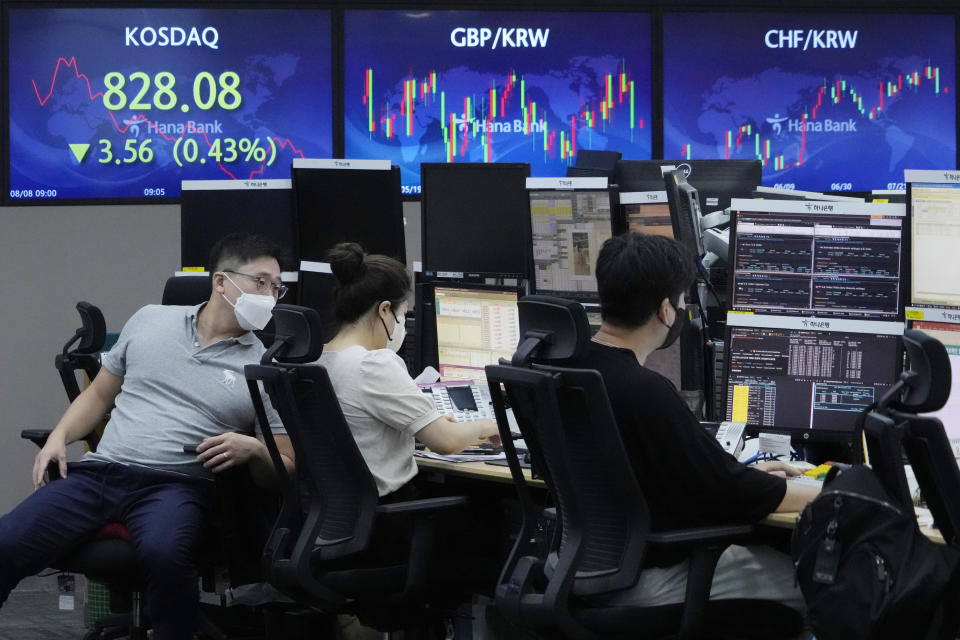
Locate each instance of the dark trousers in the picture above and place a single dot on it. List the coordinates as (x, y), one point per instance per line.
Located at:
(164, 514)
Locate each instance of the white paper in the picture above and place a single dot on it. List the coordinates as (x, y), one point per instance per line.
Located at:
(428, 376)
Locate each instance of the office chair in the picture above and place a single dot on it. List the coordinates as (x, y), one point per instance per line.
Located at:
(323, 551)
(894, 427)
(601, 519)
(186, 290)
(91, 336)
(110, 558)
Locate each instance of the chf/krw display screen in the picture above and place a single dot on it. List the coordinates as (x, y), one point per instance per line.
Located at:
(826, 101)
(472, 86)
(126, 103)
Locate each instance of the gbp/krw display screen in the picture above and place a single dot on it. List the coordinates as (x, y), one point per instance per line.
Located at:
(827, 101)
(472, 86)
(126, 103)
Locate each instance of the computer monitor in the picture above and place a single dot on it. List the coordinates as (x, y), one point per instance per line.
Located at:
(949, 334)
(898, 196)
(685, 213)
(934, 201)
(827, 259)
(316, 287)
(210, 209)
(717, 181)
(348, 201)
(804, 375)
(476, 220)
(475, 326)
(595, 163)
(646, 212)
(570, 219)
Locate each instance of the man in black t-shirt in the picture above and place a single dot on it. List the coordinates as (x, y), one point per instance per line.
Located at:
(686, 477)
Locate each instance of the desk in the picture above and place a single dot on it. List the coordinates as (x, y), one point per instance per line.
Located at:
(493, 473)
(476, 470)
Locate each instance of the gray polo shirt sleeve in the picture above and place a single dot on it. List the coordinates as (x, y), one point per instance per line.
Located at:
(115, 360)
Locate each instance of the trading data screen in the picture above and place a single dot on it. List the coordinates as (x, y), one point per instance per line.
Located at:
(474, 328)
(493, 86)
(127, 102)
(817, 263)
(568, 229)
(949, 335)
(935, 221)
(797, 379)
(826, 101)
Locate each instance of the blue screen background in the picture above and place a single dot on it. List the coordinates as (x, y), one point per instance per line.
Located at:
(566, 79)
(720, 76)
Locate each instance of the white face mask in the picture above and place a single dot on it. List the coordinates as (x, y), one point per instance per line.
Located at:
(253, 311)
(395, 339)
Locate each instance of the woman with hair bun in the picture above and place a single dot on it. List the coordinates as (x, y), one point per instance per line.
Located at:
(382, 404)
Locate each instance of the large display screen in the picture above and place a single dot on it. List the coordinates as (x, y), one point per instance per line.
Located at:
(126, 103)
(826, 101)
(472, 86)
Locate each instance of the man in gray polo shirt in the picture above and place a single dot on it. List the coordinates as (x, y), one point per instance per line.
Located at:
(174, 378)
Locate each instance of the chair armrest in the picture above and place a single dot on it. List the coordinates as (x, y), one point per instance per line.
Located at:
(720, 534)
(510, 593)
(36, 436)
(39, 437)
(427, 505)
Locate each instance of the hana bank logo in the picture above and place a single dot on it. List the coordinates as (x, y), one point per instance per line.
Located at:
(777, 123)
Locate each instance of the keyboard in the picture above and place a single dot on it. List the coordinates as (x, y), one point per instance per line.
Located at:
(463, 401)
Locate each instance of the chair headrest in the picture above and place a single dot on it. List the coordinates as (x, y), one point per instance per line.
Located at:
(299, 335)
(929, 389)
(93, 334)
(186, 291)
(552, 330)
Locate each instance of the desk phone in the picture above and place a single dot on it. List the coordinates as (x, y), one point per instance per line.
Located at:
(465, 401)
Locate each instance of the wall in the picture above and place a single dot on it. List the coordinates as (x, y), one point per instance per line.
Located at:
(115, 257)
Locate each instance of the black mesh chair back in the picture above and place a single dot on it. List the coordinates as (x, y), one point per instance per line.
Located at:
(893, 429)
(343, 493)
(186, 290)
(339, 494)
(568, 424)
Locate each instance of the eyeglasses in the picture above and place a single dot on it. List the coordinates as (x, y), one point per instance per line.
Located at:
(264, 285)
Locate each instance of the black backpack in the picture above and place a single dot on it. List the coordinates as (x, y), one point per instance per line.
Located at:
(865, 569)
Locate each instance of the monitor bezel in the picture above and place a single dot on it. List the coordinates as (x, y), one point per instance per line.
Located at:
(799, 436)
(430, 271)
(335, 35)
(430, 291)
(905, 255)
(927, 177)
(276, 184)
(298, 173)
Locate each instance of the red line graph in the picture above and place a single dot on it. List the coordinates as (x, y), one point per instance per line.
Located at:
(72, 63)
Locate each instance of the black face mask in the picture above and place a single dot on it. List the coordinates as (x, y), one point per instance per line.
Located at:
(674, 330)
